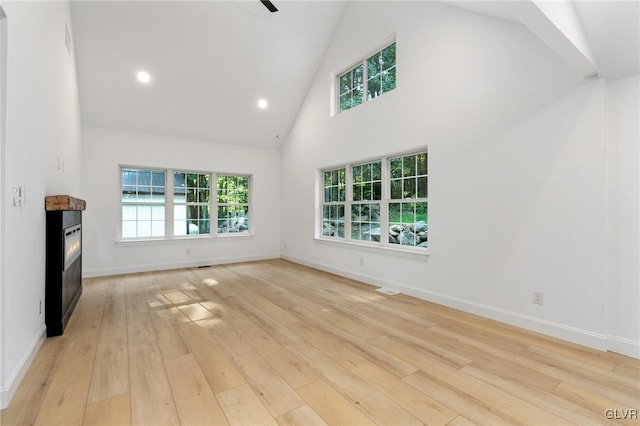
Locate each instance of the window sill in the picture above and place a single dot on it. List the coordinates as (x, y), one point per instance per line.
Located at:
(181, 239)
(405, 253)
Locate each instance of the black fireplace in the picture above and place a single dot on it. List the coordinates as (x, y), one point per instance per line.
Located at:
(63, 261)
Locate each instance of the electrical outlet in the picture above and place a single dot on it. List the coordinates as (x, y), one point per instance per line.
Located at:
(538, 298)
(362, 261)
(188, 251)
(40, 308)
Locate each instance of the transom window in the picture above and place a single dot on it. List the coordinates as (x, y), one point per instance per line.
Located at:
(190, 210)
(368, 79)
(387, 200)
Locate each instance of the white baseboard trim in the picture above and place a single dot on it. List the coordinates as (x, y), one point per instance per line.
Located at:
(9, 389)
(132, 269)
(549, 328)
(623, 346)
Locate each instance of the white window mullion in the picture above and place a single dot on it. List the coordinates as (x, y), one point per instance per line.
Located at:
(384, 203)
(348, 194)
(365, 76)
(168, 209)
(213, 203)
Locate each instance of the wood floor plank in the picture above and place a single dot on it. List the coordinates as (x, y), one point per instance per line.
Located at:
(195, 311)
(217, 279)
(170, 340)
(65, 401)
(274, 392)
(67, 395)
(242, 407)
(589, 400)
(518, 409)
(426, 346)
(421, 406)
(277, 330)
(216, 366)
(151, 398)
(545, 400)
(301, 416)
(332, 407)
(110, 376)
(373, 353)
(373, 402)
(499, 366)
(460, 421)
(32, 391)
(195, 402)
(628, 370)
(629, 399)
(271, 341)
(114, 411)
(605, 376)
(295, 372)
(473, 409)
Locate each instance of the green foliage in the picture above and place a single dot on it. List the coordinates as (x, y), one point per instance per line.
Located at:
(334, 185)
(407, 213)
(351, 87)
(381, 72)
(233, 189)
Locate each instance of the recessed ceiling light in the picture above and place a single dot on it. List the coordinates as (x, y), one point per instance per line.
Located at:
(262, 103)
(143, 77)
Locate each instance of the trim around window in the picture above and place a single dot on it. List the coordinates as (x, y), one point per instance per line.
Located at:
(371, 76)
(384, 207)
(154, 203)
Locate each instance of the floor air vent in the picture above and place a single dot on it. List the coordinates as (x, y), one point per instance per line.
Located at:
(387, 291)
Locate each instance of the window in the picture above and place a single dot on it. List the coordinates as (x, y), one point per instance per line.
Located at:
(368, 79)
(333, 204)
(143, 203)
(191, 203)
(387, 199)
(408, 200)
(366, 189)
(233, 204)
(194, 203)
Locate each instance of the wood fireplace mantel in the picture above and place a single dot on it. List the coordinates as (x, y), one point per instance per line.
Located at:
(63, 202)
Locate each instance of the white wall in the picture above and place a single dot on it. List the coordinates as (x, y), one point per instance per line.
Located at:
(104, 150)
(43, 124)
(623, 291)
(517, 184)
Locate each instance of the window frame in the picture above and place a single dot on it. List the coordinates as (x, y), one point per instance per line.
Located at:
(187, 203)
(151, 204)
(169, 206)
(365, 77)
(334, 203)
(248, 204)
(385, 201)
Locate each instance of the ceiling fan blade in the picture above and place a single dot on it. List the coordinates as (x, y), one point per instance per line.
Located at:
(269, 5)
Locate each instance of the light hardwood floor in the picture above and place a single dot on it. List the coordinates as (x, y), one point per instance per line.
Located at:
(267, 343)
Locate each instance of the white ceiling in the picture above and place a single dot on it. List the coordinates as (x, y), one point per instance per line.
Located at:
(211, 61)
(613, 32)
(612, 29)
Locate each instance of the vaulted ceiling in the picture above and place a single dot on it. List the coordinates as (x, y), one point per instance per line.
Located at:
(211, 61)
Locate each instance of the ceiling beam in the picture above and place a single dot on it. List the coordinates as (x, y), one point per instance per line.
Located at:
(556, 23)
